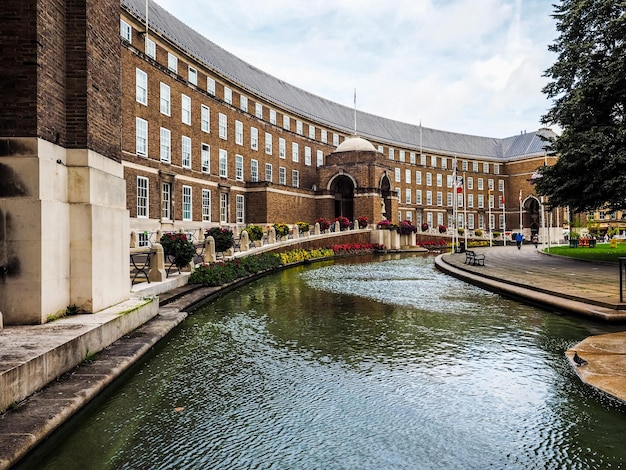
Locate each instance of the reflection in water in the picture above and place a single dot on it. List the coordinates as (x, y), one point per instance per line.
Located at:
(367, 365)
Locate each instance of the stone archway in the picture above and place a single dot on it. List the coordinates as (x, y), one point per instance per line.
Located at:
(385, 193)
(531, 215)
(342, 188)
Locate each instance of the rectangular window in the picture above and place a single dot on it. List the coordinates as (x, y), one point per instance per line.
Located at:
(186, 152)
(307, 156)
(258, 110)
(186, 202)
(501, 222)
(286, 122)
(433, 161)
(282, 175)
(429, 198)
(165, 99)
(268, 143)
(485, 167)
(490, 184)
(320, 158)
(224, 208)
(422, 159)
(299, 128)
(166, 145)
(412, 158)
(282, 147)
(206, 205)
(223, 163)
(492, 220)
(126, 31)
(192, 75)
(402, 155)
(439, 218)
(481, 201)
(480, 184)
(186, 109)
(444, 163)
(418, 177)
(172, 62)
(254, 138)
(205, 118)
(228, 95)
(324, 136)
(150, 48)
(268, 172)
(501, 186)
(470, 182)
(481, 221)
(459, 199)
(450, 200)
(239, 167)
(439, 180)
(295, 178)
(223, 127)
(439, 198)
(409, 216)
(141, 137)
(206, 158)
(272, 117)
(295, 152)
(239, 208)
(166, 201)
(496, 168)
(475, 167)
(397, 175)
(391, 154)
(311, 132)
(141, 86)
(142, 197)
(254, 170)
(429, 179)
(335, 140)
(407, 195)
(449, 181)
(243, 103)
(470, 221)
(470, 200)
(418, 197)
(239, 132)
(210, 86)
(464, 165)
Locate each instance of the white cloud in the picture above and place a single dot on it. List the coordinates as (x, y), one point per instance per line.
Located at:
(459, 65)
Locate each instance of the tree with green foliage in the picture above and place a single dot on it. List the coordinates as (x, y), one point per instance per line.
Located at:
(588, 89)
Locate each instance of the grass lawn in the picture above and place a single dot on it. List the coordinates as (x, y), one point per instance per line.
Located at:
(602, 252)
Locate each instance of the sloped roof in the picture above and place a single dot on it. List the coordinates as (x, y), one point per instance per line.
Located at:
(326, 112)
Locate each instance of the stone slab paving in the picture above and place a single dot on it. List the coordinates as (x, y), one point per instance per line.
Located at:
(580, 287)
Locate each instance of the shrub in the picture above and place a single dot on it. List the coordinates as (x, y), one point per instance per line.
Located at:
(496, 234)
(303, 226)
(383, 224)
(344, 222)
(282, 230)
(177, 246)
(224, 239)
(461, 231)
(479, 233)
(362, 221)
(217, 274)
(424, 227)
(442, 229)
(324, 223)
(255, 232)
(406, 227)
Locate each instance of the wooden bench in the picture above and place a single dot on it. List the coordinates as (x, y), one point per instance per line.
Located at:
(473, 258)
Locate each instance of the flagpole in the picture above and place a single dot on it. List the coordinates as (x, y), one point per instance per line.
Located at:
(490, 227)
(454, 198)
(503, 215)
(521, 228)
(464, 211)
(355, 111)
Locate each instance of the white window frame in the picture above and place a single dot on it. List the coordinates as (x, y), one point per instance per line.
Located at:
(429, 198)
(141, 137)
(402, 156)
(206, 205)
(238, 132)
(143, 200)
(187, 202)
(254, 138)
(307, 155)
(223, 161)
(286, 122)
(166, 145)
(282, 148)
(418, 177)
(223, 126)
(422, 159)
(282, 175)
(254, 170)
(258, 110)
(228, 95)
(224, 208)
(407, 195)
(311, 131)
(397, 175)
(185, 105)
(205, 118)
(272, 116)
(238, 167)
(392, 153)
(268, 143)
(295, 178)
(141, 86)
(165, 99)
(240, 202)
(324, 136)
(166, 201)
(172, 62)
(210, 86)
(192, 75)
(295, 152)
(418, 197)
(185, 160)
(299, 127)
(150, 48)
(243, 103)
(205, 154)
(126, 31)
(319, 158)
(269, 175)
(335, 139)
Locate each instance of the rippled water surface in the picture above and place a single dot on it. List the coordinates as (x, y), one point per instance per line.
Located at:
(365, 364)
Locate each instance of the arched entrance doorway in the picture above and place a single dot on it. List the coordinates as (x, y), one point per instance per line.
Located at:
(385, 192)
(342, 189)
(531, 215)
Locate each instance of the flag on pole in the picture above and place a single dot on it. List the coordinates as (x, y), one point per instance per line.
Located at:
(459, 184)
(502, 199)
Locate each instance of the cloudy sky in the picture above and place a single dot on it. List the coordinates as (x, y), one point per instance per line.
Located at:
(468, 66)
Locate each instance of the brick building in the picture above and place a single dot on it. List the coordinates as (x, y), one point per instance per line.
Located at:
(110, 126)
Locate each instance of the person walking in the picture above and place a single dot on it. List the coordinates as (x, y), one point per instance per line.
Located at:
(518, 239)
(535, 240)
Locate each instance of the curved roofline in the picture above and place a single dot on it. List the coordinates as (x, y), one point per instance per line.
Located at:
(326, 112)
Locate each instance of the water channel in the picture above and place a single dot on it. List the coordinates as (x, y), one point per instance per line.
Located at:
(363, 363)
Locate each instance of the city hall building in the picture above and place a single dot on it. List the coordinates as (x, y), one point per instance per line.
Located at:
(118, 119)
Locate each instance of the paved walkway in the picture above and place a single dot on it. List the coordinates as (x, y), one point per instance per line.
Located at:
(564, 284)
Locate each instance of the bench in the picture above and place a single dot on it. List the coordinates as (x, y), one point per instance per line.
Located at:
(473, 258)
